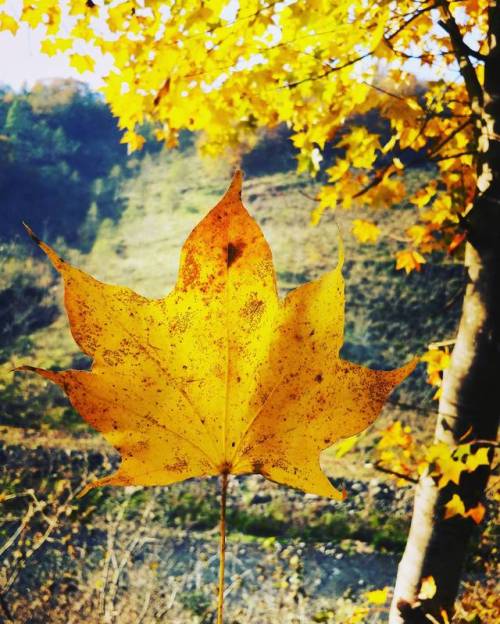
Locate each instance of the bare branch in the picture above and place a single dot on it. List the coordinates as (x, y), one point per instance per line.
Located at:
(451, 156)
(467, 69)
(378, 466)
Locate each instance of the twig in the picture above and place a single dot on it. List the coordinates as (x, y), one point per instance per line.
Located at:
(400, 475)
(145, 607)
(222, 547)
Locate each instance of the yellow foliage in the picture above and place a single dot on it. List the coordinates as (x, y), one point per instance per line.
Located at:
(456, 507)
(445, 465)
(399, 452)
(220, 376)
(133, 141)
(437, 361)
(427, 588)
(82, 62)
(365, 231)
(52, 46)
(396, 435)
(310, 66)
(7, 22)
(423, 196)
(409, 260)
(479, 458)
(377, 596)
(346, 445)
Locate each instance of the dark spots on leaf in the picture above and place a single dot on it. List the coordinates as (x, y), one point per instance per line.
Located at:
(257, 467)
(233, 444)
(179, 466)
(234, 251)
(312, 332)
(112, 358)
(190, 270)
(253, 310)
(238, 379)
(319, 378)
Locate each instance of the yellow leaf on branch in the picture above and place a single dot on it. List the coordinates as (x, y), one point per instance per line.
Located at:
(365, 231)
(133, 140)
(456, 507)
(479, 458)
(377, 596)
(7, 22)
(427, 588)
(52, 46)
(409, 260)
(82, 62)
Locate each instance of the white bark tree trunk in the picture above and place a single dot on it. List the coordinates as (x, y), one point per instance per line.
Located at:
(470, 404)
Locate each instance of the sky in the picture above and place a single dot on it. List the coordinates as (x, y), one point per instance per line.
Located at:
(23, 64)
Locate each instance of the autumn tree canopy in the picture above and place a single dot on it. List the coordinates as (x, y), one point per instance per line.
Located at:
(228, 69)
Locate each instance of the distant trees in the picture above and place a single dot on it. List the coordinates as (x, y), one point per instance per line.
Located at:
(56, 142)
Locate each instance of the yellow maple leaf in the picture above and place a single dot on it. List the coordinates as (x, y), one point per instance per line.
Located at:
(220, 376)
(437, 361)
(446, 466)
(7, 22)
(82, 62)
(365, 231)
(476, 513)
(377, 596)
(423, 196)
(133, 141)
(51, 47)
(34, 16)
(454, 507)
(427, 588)
(479, 458)
(409, 260)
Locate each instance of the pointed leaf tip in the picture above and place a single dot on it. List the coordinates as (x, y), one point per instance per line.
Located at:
(234, 189)
(31, 234)
(85, 490)
(409, 367)
(56, 260)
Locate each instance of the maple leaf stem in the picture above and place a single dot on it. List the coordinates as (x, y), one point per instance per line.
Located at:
(222, 547)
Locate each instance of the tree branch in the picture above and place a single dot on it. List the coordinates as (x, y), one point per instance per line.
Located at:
(465, 64)
(378, 466)
(447, 139)
(450, 156)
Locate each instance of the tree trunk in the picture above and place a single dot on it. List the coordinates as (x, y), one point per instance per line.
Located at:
(470, 403)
